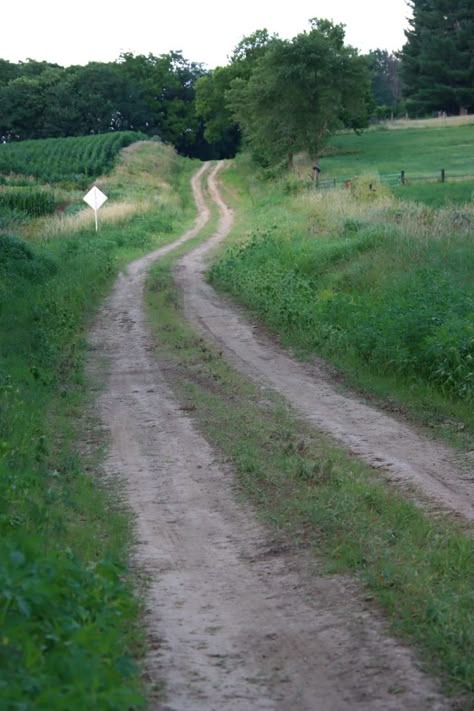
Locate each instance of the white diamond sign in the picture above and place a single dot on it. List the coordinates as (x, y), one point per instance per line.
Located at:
(95, 198)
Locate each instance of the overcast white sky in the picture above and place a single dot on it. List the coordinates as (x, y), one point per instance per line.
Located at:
(205, 30)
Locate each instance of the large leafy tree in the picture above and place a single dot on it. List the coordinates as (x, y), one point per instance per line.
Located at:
(153, 94)
(160, 94)
(438, 57)
(300, 92)
(211, 91)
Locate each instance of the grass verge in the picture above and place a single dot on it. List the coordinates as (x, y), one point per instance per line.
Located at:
(419, 570)
(380, 288)
(68, 614)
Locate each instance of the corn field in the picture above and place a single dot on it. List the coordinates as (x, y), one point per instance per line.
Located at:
(56, 159)
(34, 203)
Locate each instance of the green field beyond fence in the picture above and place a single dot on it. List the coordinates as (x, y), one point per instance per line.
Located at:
(420, 152)
(433, 165)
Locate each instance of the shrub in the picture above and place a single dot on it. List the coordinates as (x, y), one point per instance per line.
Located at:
(368, 188)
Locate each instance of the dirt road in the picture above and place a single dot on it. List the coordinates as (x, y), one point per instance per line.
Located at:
(384, 442)
(235, 623)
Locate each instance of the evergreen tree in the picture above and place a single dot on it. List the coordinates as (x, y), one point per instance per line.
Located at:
(438, 57)
(385, 78)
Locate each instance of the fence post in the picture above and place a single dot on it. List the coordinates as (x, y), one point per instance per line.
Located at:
(443, 175)
(402, 177)
(316, 172)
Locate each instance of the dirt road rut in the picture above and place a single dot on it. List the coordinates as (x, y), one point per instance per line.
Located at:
(235, 624)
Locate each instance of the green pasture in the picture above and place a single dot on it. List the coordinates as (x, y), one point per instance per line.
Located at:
(420, 152)
(436, 194)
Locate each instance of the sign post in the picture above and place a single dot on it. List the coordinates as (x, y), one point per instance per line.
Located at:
(95, 198)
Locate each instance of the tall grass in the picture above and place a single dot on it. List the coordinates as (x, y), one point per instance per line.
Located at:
(66, 607)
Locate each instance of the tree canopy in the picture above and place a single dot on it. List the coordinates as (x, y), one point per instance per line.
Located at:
(211, 90)
(152, 94)
(438, 57)
(299, 92)
(276, 96)
(385, 78)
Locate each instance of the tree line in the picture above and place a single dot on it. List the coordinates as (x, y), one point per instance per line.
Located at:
(150, 94)
(278, 96)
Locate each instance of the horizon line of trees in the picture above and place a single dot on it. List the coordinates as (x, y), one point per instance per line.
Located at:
(276, 96)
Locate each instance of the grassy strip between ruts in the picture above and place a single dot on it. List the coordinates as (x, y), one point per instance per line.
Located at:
(68, 616)
(417, 567)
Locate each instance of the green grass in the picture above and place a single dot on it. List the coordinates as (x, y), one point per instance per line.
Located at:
(421, 152)
(418, 569)
(382, 289)
(68, 613)
(437, 194)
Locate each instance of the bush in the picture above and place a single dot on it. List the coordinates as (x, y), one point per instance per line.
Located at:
(368, 188)
(63, 620)
(18, 260)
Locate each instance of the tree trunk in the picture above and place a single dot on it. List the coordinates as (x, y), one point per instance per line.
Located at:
(291, 163)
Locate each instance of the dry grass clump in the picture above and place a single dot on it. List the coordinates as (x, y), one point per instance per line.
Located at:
(438, 122)
(330, 211)
(114, 212)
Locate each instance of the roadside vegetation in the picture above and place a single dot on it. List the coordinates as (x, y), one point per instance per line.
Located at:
(67, 610)
(382, 289)
(417, 569)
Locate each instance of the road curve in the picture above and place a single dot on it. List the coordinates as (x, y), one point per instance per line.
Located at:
(233, 622)
(409, 459)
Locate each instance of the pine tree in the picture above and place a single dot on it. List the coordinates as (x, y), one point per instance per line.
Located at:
(438, 57)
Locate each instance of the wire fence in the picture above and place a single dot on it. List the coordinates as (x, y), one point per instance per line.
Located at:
(393, 180)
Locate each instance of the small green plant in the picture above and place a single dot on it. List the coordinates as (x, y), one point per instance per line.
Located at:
(368, 188)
